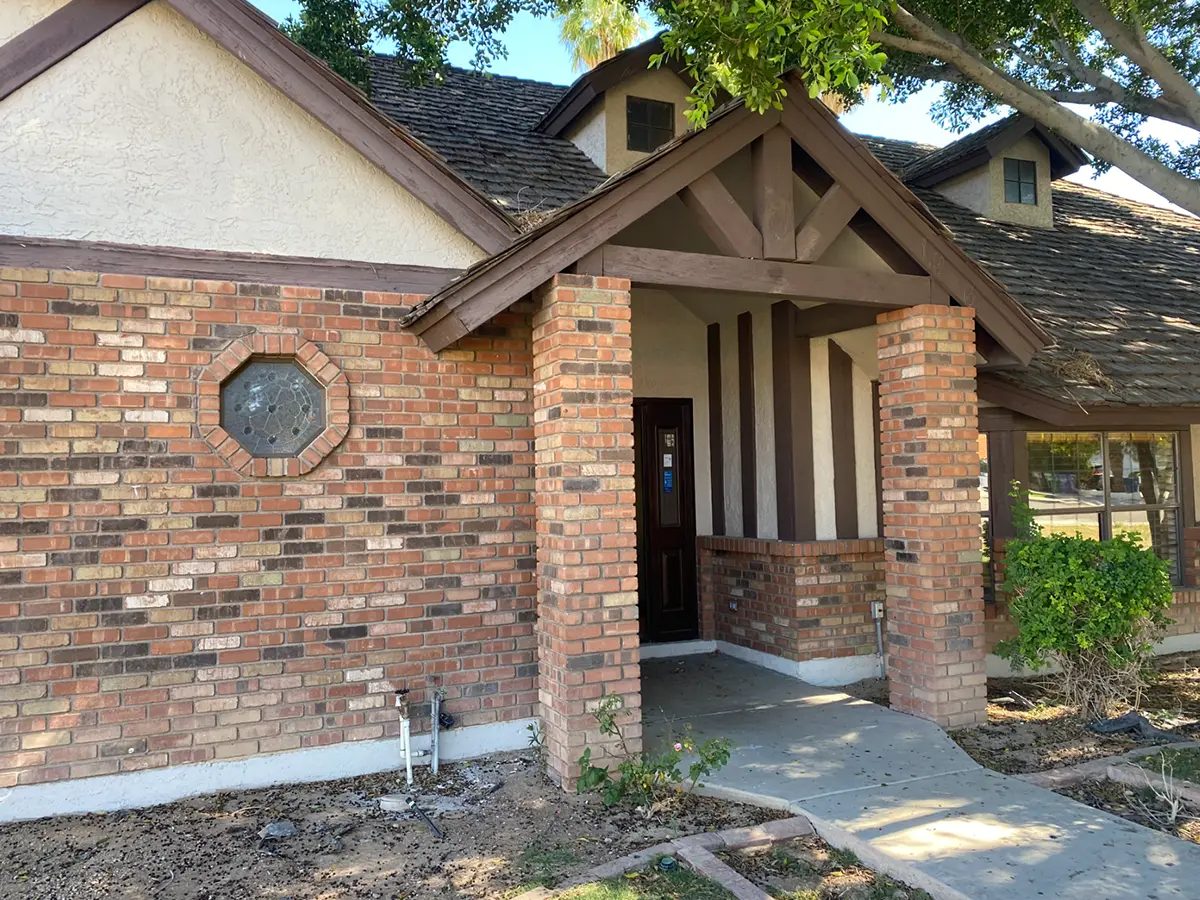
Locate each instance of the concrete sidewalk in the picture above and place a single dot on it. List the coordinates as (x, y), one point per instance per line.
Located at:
(900, 785)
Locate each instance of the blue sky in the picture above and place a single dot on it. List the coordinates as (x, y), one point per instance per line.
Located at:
(534, 51)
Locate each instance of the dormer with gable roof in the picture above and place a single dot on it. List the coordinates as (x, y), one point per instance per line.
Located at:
(1003, 171)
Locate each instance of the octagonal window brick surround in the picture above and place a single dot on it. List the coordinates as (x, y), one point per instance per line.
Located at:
(276, 348)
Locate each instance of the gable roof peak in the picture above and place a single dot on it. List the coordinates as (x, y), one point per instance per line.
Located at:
(980, 146)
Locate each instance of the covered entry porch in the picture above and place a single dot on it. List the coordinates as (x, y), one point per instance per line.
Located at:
(823, 333)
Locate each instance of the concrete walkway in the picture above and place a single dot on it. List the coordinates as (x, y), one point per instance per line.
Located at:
(900, 785)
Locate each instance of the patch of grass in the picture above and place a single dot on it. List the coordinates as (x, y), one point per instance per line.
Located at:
(651, 885)
(1183, 765)
(543, 865)
(842, 859)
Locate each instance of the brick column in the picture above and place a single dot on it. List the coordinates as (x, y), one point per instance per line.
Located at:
(586, 520)
(929, 416)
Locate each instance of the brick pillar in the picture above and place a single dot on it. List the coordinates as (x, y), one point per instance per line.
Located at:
(586, 521)
(929, 417)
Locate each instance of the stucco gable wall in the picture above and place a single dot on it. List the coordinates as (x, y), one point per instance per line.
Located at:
(17, 15)
(154, 134)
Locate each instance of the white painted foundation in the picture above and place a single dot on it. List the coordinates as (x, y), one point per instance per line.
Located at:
(154, 786)
(1179, 643)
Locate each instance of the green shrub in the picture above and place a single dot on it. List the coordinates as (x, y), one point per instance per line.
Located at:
(1092, 607)
(647, 779)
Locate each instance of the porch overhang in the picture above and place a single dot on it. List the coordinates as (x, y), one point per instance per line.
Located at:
(767, 249)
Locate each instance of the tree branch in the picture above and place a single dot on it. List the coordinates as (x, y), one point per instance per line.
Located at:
(1131, 42)
(951, 49)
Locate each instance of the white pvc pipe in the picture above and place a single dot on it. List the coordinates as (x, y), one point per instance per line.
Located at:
(437, 711)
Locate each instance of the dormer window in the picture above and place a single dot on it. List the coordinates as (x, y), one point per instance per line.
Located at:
(649, 123)
(1020, 181)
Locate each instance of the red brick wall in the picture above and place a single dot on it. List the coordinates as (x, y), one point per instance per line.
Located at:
(158, 608)
(800, 601)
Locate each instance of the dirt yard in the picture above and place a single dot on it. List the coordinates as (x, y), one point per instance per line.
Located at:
(809, 869)
(505, 828)
(1028, 730)
(1137, 805)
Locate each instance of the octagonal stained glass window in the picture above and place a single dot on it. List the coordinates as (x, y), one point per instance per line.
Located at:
(272, 407)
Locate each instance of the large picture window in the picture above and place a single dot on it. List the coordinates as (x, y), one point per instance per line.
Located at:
(1100, 484)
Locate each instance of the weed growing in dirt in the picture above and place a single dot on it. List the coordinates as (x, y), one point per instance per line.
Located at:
(647, 779)
(543, 864)
(1183, 764)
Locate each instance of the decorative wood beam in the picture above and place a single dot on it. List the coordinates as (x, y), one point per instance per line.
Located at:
(845, 475)
(830, 318)
(909, 223)
(801, 280)
(791, 373)
(535, 258)
(221, 265)
(716, 429)
(49, 41)
(822, 226)
(721, 218)
(774, 209)
(747, 435)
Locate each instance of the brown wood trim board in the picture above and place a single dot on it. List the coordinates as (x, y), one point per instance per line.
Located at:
(791, 374)
(841, 420)
(747, 436)
(49, 41)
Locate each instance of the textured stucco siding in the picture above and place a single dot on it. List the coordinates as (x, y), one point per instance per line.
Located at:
(655, 84)
(17, 15)
(670, 359)
(591, 136)
(982, 189)
(153, 134)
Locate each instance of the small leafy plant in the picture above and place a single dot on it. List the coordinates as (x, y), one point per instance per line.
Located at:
(647, 779)
(1091, 607)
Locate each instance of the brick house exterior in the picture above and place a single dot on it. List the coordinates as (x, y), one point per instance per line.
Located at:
(481, 511)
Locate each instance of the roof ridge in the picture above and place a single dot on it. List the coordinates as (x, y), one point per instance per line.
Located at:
(479, 73)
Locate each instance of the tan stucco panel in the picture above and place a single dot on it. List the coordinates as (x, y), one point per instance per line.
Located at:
(654, 84)
(982, 190)
(17, 15)
(154, 134)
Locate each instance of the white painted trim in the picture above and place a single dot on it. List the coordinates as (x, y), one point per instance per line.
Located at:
(1176, 643)
(821, 672)
(672, 649)
(824, 501)
(154, 786)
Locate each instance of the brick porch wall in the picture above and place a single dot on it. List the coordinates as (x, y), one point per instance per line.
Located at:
(158, 608)
(799, 601)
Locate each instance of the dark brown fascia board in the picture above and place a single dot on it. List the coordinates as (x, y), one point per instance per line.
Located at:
(499, 282)
(899, 212)
(833, 318)
(1072, 156)
(218, 265)
(253, 38)
(1074, 416)
(49, 41)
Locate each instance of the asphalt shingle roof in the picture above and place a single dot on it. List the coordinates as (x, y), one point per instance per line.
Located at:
(1115, 282)
(484, 127)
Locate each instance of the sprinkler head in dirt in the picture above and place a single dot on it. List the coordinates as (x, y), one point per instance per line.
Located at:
(667, 864)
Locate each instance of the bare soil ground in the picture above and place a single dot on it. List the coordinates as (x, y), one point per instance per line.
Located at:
(1029, 730)
(1137, 805)
(809, 869)
(506, 827)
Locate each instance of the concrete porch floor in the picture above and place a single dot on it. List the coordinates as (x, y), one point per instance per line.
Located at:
(900, 785)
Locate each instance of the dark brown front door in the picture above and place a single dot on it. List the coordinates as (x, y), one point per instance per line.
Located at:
(666, 519)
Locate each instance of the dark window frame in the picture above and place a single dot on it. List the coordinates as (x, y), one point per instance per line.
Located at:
(1020, 174)
(1104, 511)
(650, 130)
